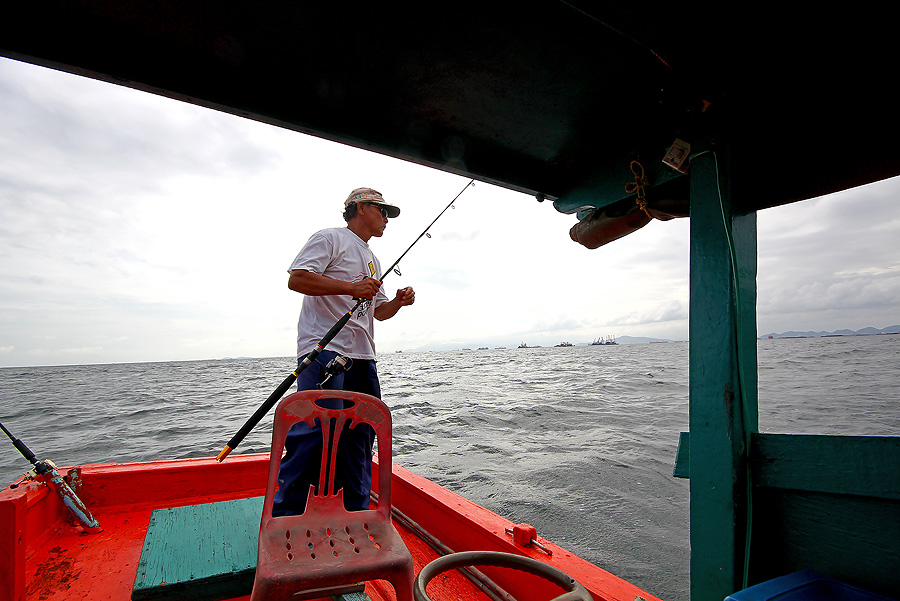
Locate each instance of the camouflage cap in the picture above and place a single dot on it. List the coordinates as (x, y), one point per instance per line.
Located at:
(369, 195)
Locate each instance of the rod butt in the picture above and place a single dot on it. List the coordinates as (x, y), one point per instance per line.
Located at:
(225, 452)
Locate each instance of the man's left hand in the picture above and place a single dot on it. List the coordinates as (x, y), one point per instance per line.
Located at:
(406, 296)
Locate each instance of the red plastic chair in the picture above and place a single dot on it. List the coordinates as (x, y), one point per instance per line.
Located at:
(328, 547)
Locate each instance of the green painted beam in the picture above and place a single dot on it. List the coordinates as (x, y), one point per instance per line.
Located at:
(866, 466)
(722, 333)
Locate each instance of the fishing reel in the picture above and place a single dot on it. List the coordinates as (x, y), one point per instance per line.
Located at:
(335, 367)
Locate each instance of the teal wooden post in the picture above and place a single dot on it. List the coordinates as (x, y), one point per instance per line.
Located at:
(722, 361)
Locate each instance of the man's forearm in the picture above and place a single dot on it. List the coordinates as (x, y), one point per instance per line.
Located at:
(313, 284)
(388, 309)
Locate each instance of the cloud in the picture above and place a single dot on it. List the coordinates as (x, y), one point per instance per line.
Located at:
(846, 292)
(829, 257)
(852, 226)
(670, 311)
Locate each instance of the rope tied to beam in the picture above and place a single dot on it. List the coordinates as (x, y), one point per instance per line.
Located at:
(638, 186)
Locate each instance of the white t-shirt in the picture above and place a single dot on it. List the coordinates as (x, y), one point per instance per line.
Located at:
(340, 254)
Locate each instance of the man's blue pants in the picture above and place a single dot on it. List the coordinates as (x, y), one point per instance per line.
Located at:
(303, 445)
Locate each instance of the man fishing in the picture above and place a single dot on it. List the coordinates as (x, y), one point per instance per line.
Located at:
(335, 268)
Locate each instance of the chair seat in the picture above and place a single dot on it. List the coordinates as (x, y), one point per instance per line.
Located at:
(331, 553)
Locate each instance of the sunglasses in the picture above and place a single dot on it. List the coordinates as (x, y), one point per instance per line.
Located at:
(384, 212)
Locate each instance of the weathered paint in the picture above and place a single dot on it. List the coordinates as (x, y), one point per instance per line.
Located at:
(52, 560)
(720, 422)
(205, 551)
(12, 547)
(70, 500)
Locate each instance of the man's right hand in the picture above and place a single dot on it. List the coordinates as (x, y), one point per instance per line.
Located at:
(366, 288)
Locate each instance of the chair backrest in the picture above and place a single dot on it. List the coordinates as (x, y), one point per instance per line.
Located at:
(305, 406)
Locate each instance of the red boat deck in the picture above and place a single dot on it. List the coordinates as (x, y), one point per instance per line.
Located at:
(75, 565)
(43, 557)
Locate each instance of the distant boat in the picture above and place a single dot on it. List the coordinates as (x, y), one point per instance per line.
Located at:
(601, 341)
(565, 344)
(523, 345)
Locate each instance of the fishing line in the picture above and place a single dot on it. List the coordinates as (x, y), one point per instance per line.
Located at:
(425, 231)
(311, 356)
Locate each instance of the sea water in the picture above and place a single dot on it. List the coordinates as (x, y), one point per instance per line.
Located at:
(577, 441)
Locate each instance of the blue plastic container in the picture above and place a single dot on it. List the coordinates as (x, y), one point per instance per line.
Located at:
(805, 585)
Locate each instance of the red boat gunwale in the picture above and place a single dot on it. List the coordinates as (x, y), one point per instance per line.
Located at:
(39, 547)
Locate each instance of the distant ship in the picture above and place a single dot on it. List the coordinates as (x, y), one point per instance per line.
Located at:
(565, 344)
(601, 341)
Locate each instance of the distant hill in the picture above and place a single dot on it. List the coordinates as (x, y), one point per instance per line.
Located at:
(863, 332)
(640, 340)
(456, 346)
(622, 340)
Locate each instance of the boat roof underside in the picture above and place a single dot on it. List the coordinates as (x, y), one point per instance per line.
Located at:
(553, 99)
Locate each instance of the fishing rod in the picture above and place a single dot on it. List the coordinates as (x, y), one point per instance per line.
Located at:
(425, 231)
(46, 471)
(311, 356)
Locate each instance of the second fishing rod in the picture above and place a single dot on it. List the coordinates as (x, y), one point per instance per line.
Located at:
(311, 356)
